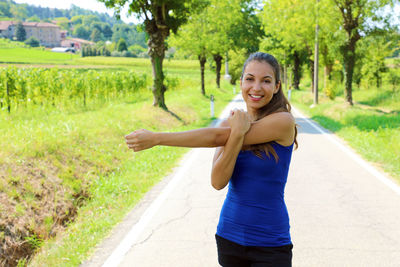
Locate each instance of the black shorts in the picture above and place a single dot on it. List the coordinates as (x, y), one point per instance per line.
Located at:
(231, 254)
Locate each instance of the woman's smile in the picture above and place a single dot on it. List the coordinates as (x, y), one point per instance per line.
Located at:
(254, 97)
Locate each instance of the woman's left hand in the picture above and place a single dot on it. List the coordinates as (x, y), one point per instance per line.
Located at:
(141, 140)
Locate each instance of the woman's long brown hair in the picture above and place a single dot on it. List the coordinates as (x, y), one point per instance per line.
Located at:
(278, 103)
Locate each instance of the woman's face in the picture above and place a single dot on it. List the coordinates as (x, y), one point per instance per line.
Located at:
(258, 85)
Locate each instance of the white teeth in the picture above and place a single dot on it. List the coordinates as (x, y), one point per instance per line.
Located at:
(256, 96)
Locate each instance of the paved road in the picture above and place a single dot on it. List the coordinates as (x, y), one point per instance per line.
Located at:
(341, 214)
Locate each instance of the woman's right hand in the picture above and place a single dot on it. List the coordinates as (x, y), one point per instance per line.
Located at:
(141, 140)
(239, 121)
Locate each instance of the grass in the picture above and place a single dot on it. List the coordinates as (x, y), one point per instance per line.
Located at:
(34, 56)
(80, 156)
(371, 126)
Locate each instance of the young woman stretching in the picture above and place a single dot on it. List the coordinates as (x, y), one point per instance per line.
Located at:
(253, 154)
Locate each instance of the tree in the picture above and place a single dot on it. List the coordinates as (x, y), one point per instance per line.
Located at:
(63, 23)
(192, 38)
(19, 11)
(5, 10)
(33, 19)
(96, 35)
(160, 17)
(223, 26)
(107, 32)
(121, 45)
(356, 17)
(81, 32)
(20, 32)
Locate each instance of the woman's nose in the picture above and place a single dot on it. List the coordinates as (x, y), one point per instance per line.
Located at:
(257, 86)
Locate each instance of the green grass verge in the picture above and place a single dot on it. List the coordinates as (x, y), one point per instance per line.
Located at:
(98, 136)
(371, 126)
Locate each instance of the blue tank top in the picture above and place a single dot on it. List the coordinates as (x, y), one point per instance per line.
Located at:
(254, 212)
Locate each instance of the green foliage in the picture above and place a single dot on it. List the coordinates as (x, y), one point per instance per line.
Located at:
(35, 241)
(236, 60)
(33, 88)
(96, 35)
(5, 10)
(81, 31)
(121, 45)
(138, 51)
(20, 32)
(63, 22)
(32, 42)
(33, 19)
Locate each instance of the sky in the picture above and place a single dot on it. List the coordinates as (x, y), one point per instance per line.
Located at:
(86, 4)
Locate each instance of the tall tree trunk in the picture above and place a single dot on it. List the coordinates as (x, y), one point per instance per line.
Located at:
(296, 70)
(218, 62)
(157, 35)
(158, 82)
(202, 60)
(349, 62)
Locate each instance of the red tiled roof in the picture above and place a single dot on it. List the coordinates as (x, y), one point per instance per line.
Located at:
(78, 40)
(40, 24)
(5, 24)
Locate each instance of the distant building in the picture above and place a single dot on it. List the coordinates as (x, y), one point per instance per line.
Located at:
(76, 43)
(48, 34)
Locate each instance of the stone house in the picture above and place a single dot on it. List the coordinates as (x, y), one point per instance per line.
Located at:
(48, 34)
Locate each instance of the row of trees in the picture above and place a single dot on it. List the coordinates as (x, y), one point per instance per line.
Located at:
(215, 20)
(355, 32)
(211, 28)
(25, 12)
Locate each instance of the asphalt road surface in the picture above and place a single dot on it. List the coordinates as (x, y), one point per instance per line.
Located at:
(342, 211)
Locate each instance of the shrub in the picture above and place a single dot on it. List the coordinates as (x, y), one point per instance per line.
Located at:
(32, 41)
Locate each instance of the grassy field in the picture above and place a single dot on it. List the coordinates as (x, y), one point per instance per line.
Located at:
(371, 126)
(34, 56)
(69, 177)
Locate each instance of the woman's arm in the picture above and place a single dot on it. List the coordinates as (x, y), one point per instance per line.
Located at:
(275, 127)
(225, 157)
(203, 137)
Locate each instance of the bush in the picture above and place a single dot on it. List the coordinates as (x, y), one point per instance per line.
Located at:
(121, 45)
(116, 54)
(136, 50)
(33, 42)
(329, 90)
(236, 60)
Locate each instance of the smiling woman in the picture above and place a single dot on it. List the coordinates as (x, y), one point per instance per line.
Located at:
(254, 222)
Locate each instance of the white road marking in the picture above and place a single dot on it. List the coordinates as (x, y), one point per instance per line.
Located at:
(381, 177)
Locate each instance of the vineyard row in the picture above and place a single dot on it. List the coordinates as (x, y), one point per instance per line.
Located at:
(22, 87)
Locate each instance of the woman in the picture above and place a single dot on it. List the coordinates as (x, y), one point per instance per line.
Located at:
(253, 154)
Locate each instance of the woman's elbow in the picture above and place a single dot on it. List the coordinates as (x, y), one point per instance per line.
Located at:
(217, 184)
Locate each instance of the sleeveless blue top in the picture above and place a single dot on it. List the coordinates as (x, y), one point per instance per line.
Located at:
(254, 212)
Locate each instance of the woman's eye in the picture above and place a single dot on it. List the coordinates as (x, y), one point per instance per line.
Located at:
(249, 79)
(267, 81)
